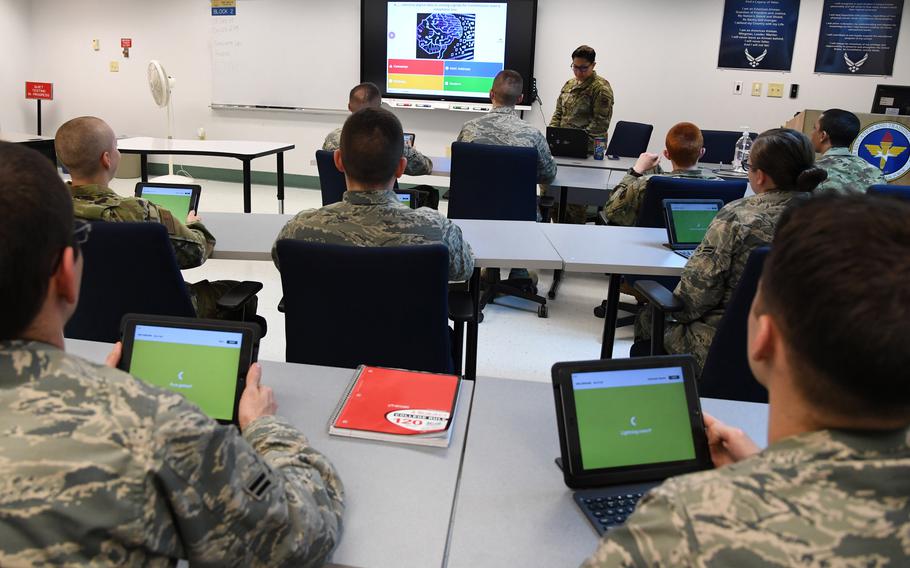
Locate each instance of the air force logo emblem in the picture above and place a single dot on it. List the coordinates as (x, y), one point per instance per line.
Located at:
(854, 66)
(755, 61)
(885, 145)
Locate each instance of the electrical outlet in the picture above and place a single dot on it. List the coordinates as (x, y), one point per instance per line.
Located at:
(776, 90)
(738, 88)
(115, 67)
(756, 89)
(96, 45)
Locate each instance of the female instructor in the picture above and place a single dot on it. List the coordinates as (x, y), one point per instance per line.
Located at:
(585, 102)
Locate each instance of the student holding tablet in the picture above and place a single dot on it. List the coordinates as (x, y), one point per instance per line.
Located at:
(100, 468)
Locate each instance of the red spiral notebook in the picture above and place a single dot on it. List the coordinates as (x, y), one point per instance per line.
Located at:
(393, 405)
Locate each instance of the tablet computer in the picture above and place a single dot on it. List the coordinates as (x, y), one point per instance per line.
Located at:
(206, 361)
(178, 198)
(409, 138)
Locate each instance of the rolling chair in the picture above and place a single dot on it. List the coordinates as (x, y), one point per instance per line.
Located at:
(726, 373)
(900, 191)
(131, 268)
(385, 306)
(629, 139)
(720, 145)
(332, 184)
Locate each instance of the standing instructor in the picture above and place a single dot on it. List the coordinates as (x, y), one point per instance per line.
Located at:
(585, 102)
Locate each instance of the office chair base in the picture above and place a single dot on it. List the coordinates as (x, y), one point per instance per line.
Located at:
(512, 288)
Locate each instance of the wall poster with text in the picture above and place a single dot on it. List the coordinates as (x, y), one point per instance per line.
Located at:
(859, 37)
(758, 34)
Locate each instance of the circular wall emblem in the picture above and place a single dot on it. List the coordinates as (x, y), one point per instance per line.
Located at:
(885, 145)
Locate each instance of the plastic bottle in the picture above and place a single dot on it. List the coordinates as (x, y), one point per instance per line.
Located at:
(741, 152)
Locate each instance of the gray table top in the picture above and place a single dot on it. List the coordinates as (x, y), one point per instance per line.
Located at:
(509, 243)
(19, 137)
(584, 178)
(626, 250)
(622, 164)
(234, 148)
(244, 236)
(513, 508)
(398, 498)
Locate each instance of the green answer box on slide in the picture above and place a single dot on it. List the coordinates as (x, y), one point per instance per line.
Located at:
(468, 84)
(624, 426)
(206, 376)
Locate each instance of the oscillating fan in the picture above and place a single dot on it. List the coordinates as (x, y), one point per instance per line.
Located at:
(161, 85)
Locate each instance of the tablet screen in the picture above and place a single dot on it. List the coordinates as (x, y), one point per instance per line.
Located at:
(177, 200)
(691, 220)
(199, 364)
(404, 198)
(632, 417)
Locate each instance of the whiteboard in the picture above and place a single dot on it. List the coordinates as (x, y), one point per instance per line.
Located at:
(295, 54)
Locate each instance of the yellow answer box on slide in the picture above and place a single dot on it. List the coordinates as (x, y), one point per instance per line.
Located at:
(421, 82)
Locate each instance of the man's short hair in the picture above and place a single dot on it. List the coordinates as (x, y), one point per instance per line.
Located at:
(585, 52)
(508, 86)
(836, 283)
(684, 144)
(37, 212)
(842, 126)
(365, 95)
(80, 142)
(372, 143)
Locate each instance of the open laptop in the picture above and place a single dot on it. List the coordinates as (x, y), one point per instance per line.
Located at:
(178, 198)
(408, 197)
(625, 425)
(567, 142)
(687, 222)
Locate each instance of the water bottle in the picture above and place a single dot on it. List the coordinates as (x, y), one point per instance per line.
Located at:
(741, 152)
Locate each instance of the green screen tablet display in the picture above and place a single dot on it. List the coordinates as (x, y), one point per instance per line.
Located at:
(632, 417)
(691, 220)
(177, 200)
(199, 364)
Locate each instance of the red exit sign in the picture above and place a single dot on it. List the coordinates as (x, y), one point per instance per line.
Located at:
(39, 90)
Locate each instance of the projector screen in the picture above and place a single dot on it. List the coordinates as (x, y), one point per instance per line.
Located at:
(446, 51)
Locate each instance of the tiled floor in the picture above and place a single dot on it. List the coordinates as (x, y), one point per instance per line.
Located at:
(514, 342)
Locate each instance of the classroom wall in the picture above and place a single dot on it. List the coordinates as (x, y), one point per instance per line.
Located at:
(14, 67)
(663, 80)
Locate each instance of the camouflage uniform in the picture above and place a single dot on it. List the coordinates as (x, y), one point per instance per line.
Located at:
(99, 468)
(376, 219)
(503, 127)
(628, 195)
(587, 106)
(192, 243)
(418, 164)
(847, 174)
(826, 498)
(713, 272)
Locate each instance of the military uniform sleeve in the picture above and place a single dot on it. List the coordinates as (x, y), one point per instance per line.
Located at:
(332, 141)
(461, 257)
(466, 134)
(602, 111)
(556, 120)
(704, 278)
(418, 164)
(287, 232)
(264, 499)
(546, 165)
(626, 198)
(193, 244)
(657, 534)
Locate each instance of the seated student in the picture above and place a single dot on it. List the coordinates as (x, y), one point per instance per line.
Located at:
(833, 133)
(370, 214)
(781, 171)
(99, 468)
(503, 127)
(685, 146)
(88, 148)
(833, 486)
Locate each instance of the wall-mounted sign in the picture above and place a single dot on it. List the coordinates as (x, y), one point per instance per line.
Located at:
(758, 34)
(859, 37)
(224, 7)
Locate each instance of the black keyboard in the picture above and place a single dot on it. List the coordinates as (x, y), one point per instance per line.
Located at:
(687, 253)
(606, 508)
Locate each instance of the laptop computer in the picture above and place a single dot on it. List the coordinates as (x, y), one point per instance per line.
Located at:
(178, 198)
(625, 425)
(408, 197)
(687, 222)
(567, 142)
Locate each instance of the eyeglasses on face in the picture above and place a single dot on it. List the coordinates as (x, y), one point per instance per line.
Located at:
(581, 68)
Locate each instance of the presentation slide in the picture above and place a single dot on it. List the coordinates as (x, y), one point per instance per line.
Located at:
(201, 365)
(691, 221)
(632, 417)
(175, 200)
(445, 48)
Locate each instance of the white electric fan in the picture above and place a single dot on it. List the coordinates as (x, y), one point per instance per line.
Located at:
(162, 85)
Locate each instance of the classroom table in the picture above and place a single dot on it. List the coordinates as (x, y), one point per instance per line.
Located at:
(399, 498)
(42, 144)
(513, 508)
(243, 151)
(615, 251)
(244, 236)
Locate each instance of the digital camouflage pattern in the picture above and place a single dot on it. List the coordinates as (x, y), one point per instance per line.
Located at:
(418, 164)
(378, 219)
(825, 498)
(503, 127)
(713, 272)
(847, 174)
(99, 468)
(626, 198)
(587, 105)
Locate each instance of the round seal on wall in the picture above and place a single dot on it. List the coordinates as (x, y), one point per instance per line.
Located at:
(885, 145)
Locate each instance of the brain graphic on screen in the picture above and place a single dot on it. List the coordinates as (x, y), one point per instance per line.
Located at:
(445, 36)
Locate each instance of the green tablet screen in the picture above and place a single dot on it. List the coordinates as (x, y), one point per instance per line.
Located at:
(175, 199)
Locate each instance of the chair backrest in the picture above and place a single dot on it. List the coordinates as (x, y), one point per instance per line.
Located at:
(331, 181)
(659, 188)
(629, 139)
(493, 182)
(726, 373)
(129, 268)
(720, 145)
(385, 306)
(902, 191)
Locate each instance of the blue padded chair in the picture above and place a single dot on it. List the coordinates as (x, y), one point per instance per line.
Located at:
(131, 268)
(901, 191)
(331, 181)
(720, 145)
(386, 306)
(629, 139)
